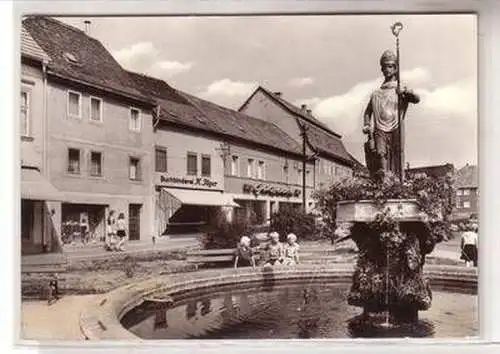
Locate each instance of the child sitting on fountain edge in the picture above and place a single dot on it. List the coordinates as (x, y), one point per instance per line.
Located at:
(274, 251)
(244, 253)
(291, 250)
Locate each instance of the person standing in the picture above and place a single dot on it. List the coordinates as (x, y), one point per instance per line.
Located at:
(469, 246)
(110, 230)
(121, 232)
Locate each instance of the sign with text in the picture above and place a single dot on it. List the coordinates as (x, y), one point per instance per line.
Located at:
(194, 181)
(262, 189)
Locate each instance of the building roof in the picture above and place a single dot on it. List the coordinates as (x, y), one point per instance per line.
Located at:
(76, 56)
(242, 126)
(30, 48)
(323, 142)
(320, 137)
(467, 177)
(433, 171)
(293, 109)
(184, 109)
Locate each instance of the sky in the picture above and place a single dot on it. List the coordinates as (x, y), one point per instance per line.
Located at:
(330, 63)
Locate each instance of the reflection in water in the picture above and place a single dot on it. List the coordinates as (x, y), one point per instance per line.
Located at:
(191, 309)
(317, 311)
(205, 307)
(160, 319)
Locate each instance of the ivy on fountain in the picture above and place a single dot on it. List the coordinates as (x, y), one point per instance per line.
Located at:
(434, 196)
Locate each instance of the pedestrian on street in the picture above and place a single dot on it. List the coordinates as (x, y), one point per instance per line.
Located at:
(468, 245)
(110, 229)
(121, 227)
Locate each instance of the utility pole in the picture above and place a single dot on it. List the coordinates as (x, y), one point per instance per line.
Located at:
(304, 160)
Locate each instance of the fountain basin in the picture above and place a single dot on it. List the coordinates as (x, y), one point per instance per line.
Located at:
(101, 319)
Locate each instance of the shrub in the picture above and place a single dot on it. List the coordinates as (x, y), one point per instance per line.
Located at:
(295, 221)
(220, 233)
(435, 197)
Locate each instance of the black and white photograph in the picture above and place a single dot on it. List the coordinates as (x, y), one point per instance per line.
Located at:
(248, 177)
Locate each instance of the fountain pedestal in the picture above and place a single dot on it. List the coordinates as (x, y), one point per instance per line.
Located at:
(393, 240)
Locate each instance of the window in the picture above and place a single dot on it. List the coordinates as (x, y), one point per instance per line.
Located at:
(466, 191)
(135, 120)
(459, 204)
(459, 192)
(205, 166)
(235, 166)
(74, 104)
(250, 168)
(466, 204)
(95, 109)
(25, 113)
(192, 164)
(74, 161)
(261, 171)
(96, 164)
(135, 169)
(160, 159)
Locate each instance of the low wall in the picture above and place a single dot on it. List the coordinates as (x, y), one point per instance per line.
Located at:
(101, 319)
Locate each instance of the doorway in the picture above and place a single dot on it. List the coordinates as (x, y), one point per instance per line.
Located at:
(134, 221)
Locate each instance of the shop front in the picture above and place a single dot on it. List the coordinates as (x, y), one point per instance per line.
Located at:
(40, 231)
(185, 204)
(259, 200)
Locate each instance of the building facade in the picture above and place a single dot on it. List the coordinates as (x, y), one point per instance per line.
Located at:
(39, 229)
(467, 192)
(99, 135)
(331, 160)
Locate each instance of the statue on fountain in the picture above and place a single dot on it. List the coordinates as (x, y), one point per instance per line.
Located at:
(392, 243)
(383, 119)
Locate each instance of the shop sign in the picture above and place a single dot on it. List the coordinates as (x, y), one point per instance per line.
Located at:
(262, 189)
(194, 181)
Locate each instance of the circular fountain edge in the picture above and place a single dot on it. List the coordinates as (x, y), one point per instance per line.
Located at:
(100, 319)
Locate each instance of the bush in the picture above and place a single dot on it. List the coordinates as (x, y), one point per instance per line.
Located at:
(295, 221)
(220, 233)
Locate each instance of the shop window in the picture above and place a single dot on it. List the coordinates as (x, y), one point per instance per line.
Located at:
(261, 170)
(205, 166)
(73, 161)
(96, 164)
(192, 164)
(235, 166)
(74, 104)
(161, 159)
(25, 113)
(135, 120)
(95, 109)
(135, 169)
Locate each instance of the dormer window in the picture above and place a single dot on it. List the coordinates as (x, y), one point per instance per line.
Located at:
(71, 58)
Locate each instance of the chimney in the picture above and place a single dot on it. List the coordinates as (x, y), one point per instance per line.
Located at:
(87, 26)
(308, 111)
(277, 93)
(303, 107)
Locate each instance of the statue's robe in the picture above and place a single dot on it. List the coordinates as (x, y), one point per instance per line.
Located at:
(386, 143)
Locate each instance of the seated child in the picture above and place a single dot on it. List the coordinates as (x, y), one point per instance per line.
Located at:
(291, 250)
(244, 253)
(274, 251)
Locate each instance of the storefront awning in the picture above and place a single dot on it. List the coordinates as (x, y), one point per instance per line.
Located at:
(35, 187)
(198, 197)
